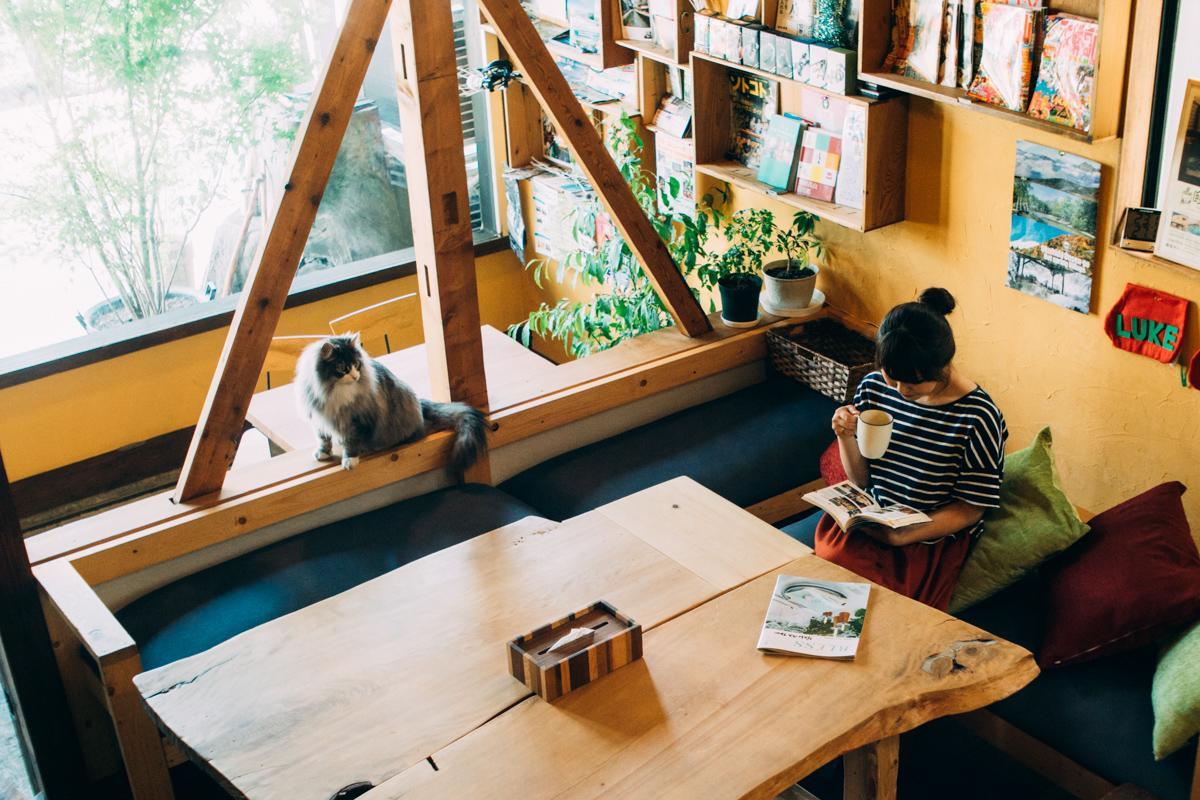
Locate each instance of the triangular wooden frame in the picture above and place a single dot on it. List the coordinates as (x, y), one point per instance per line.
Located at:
(441, 224)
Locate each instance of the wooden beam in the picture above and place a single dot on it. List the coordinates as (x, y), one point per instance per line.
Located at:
(215, 442)
(431, 123)
(870, 772)
(529, 53)
(28, 663)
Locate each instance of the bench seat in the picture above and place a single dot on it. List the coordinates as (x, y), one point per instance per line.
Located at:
(747, 446)
(206, 608)
(1097, 714)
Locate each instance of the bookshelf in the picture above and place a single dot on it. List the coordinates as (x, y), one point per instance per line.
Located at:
(875, 31)
(886, 139)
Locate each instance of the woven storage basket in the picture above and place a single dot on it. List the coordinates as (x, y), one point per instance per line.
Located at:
(824, 355)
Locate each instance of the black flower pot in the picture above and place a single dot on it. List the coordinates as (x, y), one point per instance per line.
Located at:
(739, 299)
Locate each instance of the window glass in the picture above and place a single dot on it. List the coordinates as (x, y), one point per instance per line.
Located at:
(143, 142)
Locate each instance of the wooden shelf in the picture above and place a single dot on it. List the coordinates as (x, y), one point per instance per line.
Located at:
(1113, 16)
(960, 98)
(743, 177)
(654, 52)
(882, 163)
(762, 73)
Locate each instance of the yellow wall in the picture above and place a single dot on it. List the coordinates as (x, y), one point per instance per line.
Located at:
(1122, 423)
(74, 415)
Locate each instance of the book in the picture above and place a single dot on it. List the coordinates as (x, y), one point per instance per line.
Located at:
(780, 150)
(1067, 75)
(820, 156)
(1005, 65)
(674, 116)
(675, 163)
(852, 172)
(635, 20)
(795, 16)
(850, 505)
(951, 39)
(927, 20)
(753, 100)
(584, 26)
(739, 9)
(809, 617)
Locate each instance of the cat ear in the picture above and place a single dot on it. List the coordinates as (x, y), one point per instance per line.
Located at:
(356, 339)
(326, 351)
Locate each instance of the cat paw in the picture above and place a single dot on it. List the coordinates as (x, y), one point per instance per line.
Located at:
(321, 454)
(349, 462)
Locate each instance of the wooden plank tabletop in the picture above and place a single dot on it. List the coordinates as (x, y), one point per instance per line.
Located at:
(508, 366)
(705, 714)
(370, 682)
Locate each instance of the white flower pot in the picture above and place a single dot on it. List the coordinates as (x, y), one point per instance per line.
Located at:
(791, 293)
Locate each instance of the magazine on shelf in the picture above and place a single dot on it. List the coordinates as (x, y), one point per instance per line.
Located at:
(850, 505)
(753, 100)
(808, 617)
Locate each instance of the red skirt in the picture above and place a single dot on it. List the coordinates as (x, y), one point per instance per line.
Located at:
(925, 572)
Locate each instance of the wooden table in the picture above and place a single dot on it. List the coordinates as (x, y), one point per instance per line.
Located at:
(408, 671)
(509, 367)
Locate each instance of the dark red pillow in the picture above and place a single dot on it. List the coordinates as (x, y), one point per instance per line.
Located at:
(831, 465)
(1132, 579)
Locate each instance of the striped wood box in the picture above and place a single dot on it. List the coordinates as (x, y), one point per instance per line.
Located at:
(618, 641)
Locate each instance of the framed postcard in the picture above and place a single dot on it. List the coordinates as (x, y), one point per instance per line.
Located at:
(1179, 227)
(1052, 241)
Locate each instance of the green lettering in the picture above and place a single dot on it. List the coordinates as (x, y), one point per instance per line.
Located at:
(1121, 330)
(1138, 331)
(1153, 329)
(1170, 338)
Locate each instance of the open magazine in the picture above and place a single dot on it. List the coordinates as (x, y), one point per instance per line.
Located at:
(849, 506)
(808, 617)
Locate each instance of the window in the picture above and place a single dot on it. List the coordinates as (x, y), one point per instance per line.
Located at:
(1177, 63)
(142, 147)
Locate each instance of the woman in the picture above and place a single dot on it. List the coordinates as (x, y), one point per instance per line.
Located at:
(945, 457)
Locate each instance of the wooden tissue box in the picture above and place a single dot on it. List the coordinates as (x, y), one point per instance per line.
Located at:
(617, 641)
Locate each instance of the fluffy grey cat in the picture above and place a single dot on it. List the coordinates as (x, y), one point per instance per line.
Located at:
(354, 399)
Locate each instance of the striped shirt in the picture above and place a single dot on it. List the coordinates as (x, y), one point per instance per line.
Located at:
(937, 454)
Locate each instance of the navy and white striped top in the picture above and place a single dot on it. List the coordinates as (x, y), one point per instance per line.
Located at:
(937, 454)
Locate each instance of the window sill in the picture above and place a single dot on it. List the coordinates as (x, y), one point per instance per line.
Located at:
(135, 336)
(1158, 261)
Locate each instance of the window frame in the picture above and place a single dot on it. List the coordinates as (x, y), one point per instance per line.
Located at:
(141, 334)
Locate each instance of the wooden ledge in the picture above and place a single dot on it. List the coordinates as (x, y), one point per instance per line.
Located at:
(154, 530)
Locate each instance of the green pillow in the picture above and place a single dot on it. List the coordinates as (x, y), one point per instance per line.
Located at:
(1176, 694)
(1035, 520)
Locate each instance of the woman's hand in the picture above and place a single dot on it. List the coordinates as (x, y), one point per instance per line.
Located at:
(845, 422)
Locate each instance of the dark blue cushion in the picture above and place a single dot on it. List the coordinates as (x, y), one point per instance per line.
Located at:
(747, 446)
(1098, 713)
(204, 609)
(804, 529)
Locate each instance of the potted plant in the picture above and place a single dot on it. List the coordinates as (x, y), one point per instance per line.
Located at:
(790, 281)
(735, 270)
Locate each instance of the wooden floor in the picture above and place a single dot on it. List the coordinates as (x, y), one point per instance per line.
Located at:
(14, 782)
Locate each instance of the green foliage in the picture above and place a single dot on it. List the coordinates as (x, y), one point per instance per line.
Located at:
(855, 625)
(625, 304)
(148, 101)
(751, 234)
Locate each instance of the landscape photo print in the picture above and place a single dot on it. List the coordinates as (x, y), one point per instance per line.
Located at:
(1052, 244)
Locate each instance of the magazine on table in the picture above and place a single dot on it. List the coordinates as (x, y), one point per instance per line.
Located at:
(850, 505)
(808, 617)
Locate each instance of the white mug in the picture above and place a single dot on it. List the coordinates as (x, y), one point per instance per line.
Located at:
(874, 433)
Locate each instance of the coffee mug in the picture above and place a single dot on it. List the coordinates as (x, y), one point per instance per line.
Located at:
(874, 433)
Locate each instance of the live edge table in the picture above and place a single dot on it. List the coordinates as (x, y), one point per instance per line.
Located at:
(402, 681)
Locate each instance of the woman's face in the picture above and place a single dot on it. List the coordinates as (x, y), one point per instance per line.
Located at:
(913, 392)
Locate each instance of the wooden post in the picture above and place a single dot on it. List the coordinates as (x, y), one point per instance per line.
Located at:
(216, 438)
(529, 53)
(871, 771)
(431, 125)
(38, 696)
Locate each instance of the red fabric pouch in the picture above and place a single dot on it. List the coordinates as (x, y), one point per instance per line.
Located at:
(1147, 322)
(1194, 371)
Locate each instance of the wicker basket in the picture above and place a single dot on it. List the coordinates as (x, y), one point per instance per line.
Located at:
(824, 355)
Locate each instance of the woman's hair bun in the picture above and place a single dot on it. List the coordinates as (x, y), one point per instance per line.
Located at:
(938, 299)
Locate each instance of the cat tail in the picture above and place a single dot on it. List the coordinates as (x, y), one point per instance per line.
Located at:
(469, 426)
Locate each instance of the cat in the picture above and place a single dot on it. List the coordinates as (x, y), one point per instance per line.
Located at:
(353, 399)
